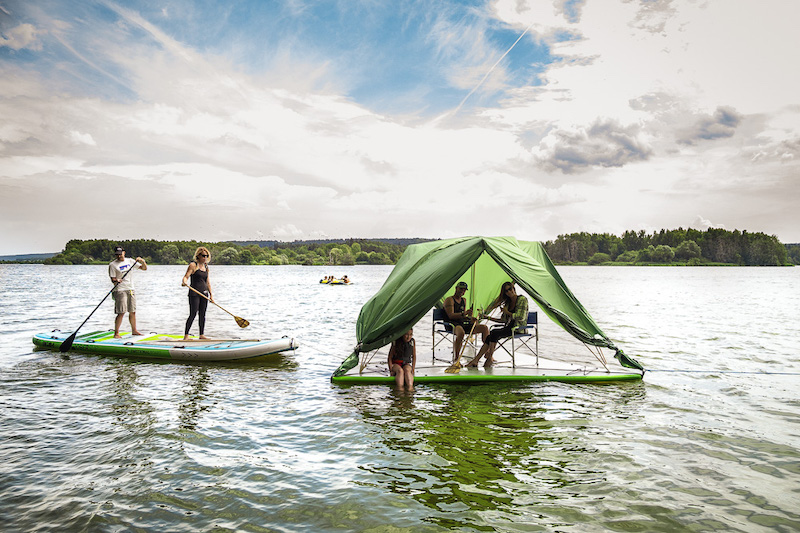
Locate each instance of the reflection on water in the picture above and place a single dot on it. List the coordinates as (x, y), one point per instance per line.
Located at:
(103, 444)
(134, 416)
(195, 398)
(490, 450)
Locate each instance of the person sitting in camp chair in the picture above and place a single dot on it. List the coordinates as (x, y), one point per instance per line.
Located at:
(461, 318)
(514, 314)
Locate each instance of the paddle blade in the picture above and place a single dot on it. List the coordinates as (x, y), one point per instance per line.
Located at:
(67, 344)
(242, 322)
(455, 368)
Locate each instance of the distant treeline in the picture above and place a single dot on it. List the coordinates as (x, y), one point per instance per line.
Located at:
(339, 252)
(680, 246)
(794, 253)
(685, 246)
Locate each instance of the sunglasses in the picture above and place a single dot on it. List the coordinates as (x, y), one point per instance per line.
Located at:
(202, 255)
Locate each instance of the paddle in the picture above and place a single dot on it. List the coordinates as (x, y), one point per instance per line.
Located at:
(67, 344)
(456, 366)
(239, 320)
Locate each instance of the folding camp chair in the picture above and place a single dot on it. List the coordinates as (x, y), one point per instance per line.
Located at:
(442, 330)
(523, 335)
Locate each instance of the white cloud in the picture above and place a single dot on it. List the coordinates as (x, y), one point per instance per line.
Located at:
(650, 113)
(286, 232)
(703, 224)
(604, 144)
(21, 37)
(720, 125)
(81, 138)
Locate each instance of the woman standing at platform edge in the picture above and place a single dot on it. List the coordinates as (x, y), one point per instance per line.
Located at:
(197, 277)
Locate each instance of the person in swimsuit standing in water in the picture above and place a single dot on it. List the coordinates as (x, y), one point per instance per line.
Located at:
(197, 277)
(403, 360)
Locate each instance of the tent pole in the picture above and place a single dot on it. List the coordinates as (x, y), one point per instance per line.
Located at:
(472, 284)
(470, 338)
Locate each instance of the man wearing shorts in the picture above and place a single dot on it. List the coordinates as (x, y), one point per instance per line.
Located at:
(124, 298)
(461, 318)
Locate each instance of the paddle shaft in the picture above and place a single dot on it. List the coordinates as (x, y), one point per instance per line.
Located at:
(67, 344)
(210, 300)
(455, 367)
(466, 340)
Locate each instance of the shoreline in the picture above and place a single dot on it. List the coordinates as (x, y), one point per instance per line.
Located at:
(586, 264)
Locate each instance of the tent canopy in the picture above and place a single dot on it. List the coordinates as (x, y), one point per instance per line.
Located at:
(428, 272)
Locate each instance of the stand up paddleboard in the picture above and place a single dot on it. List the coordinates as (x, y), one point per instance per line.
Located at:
(167, 347)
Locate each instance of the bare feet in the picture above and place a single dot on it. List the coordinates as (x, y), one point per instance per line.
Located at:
(489, 362)
(117, 336)
(203, 337)
(186, 337)
(135, 333)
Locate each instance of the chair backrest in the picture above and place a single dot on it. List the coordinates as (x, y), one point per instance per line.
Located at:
(533, 319)
(439, 319)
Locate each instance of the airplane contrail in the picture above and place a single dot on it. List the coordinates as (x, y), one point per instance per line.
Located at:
(491, 69)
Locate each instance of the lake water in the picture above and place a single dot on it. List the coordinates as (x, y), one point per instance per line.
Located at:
(709, 441)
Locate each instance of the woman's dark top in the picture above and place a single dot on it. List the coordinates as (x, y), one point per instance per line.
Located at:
(403, 351)
(199, 280)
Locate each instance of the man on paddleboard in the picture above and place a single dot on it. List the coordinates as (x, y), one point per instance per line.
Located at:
(124, 298)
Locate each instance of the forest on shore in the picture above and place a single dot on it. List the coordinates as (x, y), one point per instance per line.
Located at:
(679, 246)
(329, 252)
(666, 247)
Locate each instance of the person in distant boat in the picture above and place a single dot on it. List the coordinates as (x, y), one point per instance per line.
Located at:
(461, 318)
(403, 360)
(345, 279)
(123, 295)
(513, 314)
(197, 278)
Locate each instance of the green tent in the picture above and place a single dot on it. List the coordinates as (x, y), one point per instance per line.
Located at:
(428, 272)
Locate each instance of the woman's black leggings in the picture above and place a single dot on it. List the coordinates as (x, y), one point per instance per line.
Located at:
(500, 333)
(197, 304)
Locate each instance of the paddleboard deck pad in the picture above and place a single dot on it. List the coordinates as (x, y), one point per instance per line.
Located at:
(167, 347)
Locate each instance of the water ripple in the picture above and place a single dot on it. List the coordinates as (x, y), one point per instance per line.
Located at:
(103, 444)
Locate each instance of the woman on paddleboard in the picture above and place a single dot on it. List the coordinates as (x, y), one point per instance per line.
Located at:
(196, 277)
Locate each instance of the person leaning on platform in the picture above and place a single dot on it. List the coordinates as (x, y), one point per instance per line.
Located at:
(461, 318)
(403, 360)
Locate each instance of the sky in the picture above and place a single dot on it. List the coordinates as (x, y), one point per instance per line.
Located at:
(287, 120)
